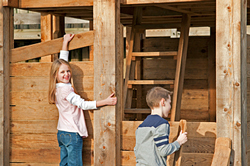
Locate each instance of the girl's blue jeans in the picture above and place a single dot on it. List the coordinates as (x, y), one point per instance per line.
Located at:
(70, 144)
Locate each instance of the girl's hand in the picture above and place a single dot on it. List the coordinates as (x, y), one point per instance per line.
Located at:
(68, 37)
(182, 138)
(111, 100)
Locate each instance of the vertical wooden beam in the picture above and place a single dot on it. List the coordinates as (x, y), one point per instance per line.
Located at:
(212, 77)
(108, 78)
(6, 44)
(46, 33)
(58, 29)
(180, 68)
(91, 48)
(231, 74)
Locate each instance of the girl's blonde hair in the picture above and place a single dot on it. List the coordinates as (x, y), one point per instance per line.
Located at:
(53, 78)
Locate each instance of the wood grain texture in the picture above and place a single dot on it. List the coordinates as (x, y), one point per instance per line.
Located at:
(50, 47)
(107, 53)
(231, 67)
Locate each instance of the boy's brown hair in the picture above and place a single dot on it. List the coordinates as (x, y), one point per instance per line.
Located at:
(155, 95)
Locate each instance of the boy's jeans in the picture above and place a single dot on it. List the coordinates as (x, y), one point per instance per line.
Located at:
(70, 144)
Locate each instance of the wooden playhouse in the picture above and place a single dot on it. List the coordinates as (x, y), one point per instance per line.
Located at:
(208, 75)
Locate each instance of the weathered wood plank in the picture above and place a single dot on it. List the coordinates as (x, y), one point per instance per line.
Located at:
(38, 97)
(50, 47)
(108, 58)
(134, 2)
(42, 141)
(47, 3)
(32, 84)
(231, 75)
(180, 68)
(46, 33)
(222, 152)
(41, 126)
(39, 112)
(85, 68)
(6, 43)
(188, 159)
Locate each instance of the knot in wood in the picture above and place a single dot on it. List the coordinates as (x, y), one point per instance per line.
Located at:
(237, 84)
(225, 109)
(1, 72)
(238, 124)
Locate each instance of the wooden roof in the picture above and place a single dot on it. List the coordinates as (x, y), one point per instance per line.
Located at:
(155, 13)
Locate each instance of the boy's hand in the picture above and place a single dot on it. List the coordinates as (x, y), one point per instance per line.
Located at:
(111, 100)
(182, 138)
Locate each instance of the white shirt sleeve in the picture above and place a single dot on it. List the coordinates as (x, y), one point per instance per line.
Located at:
(76, 100)
(64, 55)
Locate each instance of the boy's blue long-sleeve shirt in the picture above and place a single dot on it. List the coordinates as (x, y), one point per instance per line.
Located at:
(152, 142)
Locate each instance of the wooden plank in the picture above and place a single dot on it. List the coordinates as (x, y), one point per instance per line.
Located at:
(41, 127)
(11, 3)
(46, 33)
(222, 152)
(38, 97)
(212, 77)
(191, 159)
(18, 84)
(188, 159)
(84, 69)
(150, 54)
(48, 3)
(40, 112)
(134, 2)
(180, 67)
(179, 153)
(50, 47)
(6, 43)
(231, 75)
(107, 70)
(148, 82)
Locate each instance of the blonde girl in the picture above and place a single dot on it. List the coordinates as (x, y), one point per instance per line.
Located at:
(71, 123)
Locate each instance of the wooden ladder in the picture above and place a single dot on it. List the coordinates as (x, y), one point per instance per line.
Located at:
(132, 76)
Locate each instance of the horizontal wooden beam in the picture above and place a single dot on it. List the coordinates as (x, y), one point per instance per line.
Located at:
(25, 4)
(133, 2)
(150, 82)
(150, 54)
(50, 47)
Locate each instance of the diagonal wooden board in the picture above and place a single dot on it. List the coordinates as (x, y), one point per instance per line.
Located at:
(50, 47)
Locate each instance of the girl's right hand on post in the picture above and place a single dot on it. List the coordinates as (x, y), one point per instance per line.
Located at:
(111, 100)
(182, 138)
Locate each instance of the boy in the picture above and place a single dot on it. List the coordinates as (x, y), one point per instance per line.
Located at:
(152, 136)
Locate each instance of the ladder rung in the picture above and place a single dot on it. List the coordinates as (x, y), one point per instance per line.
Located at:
(150, 82)
(150, 54)
(137, 110)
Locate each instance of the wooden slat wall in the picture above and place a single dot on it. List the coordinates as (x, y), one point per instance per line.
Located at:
(33, 121)
(194, 105)
(197, 151)
(248, 98)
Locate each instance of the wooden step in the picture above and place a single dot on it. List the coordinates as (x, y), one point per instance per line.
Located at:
(154, 54)
(150, 82)
(137, 110)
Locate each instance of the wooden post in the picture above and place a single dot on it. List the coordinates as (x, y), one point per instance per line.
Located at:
(46, 33)
(6, 43)
(211, 77)
(231, 67)
(58, 29)
(108, 61)
(180, 68)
